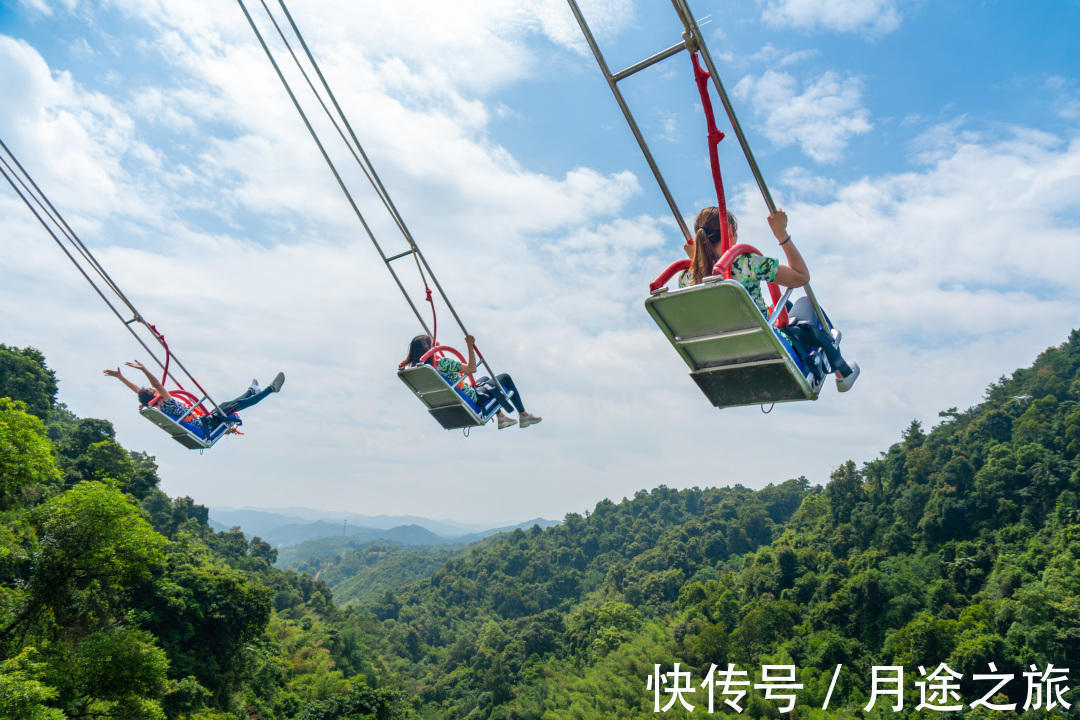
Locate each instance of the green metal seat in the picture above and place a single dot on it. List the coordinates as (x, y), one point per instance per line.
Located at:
(734, 355)
(183, 435)
(449, 407)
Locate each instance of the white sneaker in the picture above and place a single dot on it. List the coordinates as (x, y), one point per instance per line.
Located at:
(836, 335)
(528, 420)
(506, 421)
(844, 384)
(279, 380)
(254, 387)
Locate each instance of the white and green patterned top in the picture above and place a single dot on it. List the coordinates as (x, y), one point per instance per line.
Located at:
(451, 370)
(749, 271)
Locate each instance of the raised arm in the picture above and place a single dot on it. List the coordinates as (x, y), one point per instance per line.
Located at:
(154, 382)
(470, 367)
(120, 376)
(795, 273)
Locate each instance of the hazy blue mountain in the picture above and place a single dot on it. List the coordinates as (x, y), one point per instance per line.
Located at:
(292, 526)
(254, 520)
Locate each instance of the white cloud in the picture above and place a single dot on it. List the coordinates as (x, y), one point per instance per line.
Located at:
(771, 55)
(1066, 98)
(821, 118)
(930, 273)
(941, 140)
(69, 138)
(874, 17)
(38, 5)
(806, 184)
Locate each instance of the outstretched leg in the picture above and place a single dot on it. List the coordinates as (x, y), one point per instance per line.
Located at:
(251, 396)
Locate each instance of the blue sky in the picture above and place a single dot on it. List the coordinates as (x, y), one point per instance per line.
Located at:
(927, 153)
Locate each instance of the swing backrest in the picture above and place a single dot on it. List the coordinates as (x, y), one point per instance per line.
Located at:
(734, 355)
(452, 408)
(188, 434)
(186, 431)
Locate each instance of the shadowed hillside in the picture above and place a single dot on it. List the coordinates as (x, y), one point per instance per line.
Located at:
(960, 545)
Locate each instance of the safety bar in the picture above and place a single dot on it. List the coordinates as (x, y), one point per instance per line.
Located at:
(669, 272)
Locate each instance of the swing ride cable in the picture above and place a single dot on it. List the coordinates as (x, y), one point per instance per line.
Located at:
(369, 169)
(326, 157)
(362, 160)
(365, 164)
(58, 223)
(682, 8)
(372, 176)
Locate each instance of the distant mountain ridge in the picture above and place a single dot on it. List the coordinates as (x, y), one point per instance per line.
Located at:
(293, 526)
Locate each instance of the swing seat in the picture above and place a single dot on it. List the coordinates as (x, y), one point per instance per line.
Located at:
(187, 434)
(734, 355)
(449, 406)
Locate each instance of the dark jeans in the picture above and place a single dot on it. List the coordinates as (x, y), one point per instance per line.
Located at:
(804, 328)
(486, 389)
(245, 401)
(249, 398)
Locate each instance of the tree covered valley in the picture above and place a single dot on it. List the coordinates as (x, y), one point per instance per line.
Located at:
(958, 545)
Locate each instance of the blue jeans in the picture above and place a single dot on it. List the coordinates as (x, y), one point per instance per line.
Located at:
(486, 389)
(245, 401)
(803, 327)
(249, 398)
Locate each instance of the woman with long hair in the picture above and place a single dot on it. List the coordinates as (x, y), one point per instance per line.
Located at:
(751, 269)
(456, 374)
(204, 427)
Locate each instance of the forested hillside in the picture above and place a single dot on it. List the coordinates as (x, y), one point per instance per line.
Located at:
(958, 545)
(117, 601)
(358, 571)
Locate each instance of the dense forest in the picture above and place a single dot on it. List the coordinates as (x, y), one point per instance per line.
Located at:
(117, 601)
(359, 572)
(958, 547)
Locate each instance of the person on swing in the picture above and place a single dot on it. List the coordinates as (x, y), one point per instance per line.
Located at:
(226, 412)
(456, 374)
(751, 269)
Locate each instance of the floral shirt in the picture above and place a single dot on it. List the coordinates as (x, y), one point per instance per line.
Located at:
(178, 411)
(451, 370)
(173, 408)
(749, 271)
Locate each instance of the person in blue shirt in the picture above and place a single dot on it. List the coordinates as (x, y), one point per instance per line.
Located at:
(178, 410)
(457, 374)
